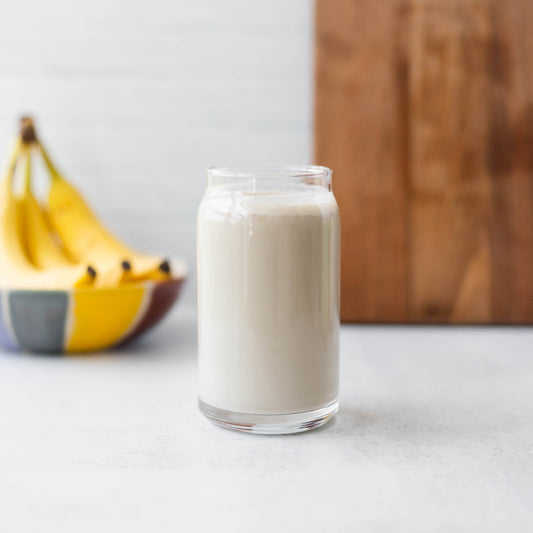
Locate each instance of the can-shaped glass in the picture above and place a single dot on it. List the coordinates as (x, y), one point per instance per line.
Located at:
(268, 298)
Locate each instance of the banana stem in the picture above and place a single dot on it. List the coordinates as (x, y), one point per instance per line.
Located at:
(27, 174)
(48, 162)
(13, 158)
(28, 138)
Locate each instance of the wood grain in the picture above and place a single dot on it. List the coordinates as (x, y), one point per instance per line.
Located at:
(424, 110)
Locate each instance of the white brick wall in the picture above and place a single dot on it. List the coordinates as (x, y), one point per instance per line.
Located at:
(135, 98)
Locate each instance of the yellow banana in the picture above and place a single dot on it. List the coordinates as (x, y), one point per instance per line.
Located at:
(86, 239)
(42, 247)
(16, 272)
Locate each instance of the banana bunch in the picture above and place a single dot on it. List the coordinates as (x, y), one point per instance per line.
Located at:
(60, 244)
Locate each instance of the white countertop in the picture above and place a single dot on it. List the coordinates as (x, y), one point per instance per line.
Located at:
(435, 433)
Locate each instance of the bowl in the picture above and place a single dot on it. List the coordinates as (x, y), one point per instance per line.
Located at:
(84, 319)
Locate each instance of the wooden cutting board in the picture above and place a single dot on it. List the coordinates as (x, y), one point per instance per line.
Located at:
(424, 111)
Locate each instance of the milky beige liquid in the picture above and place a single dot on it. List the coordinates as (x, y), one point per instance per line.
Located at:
(268, 296)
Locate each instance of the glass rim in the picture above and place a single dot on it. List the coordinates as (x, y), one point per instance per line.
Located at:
(269, 171)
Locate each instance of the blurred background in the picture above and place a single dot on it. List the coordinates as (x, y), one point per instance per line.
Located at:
(422, 108)
(135, 99)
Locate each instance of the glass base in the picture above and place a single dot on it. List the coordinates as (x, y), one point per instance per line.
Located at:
(269, 424)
